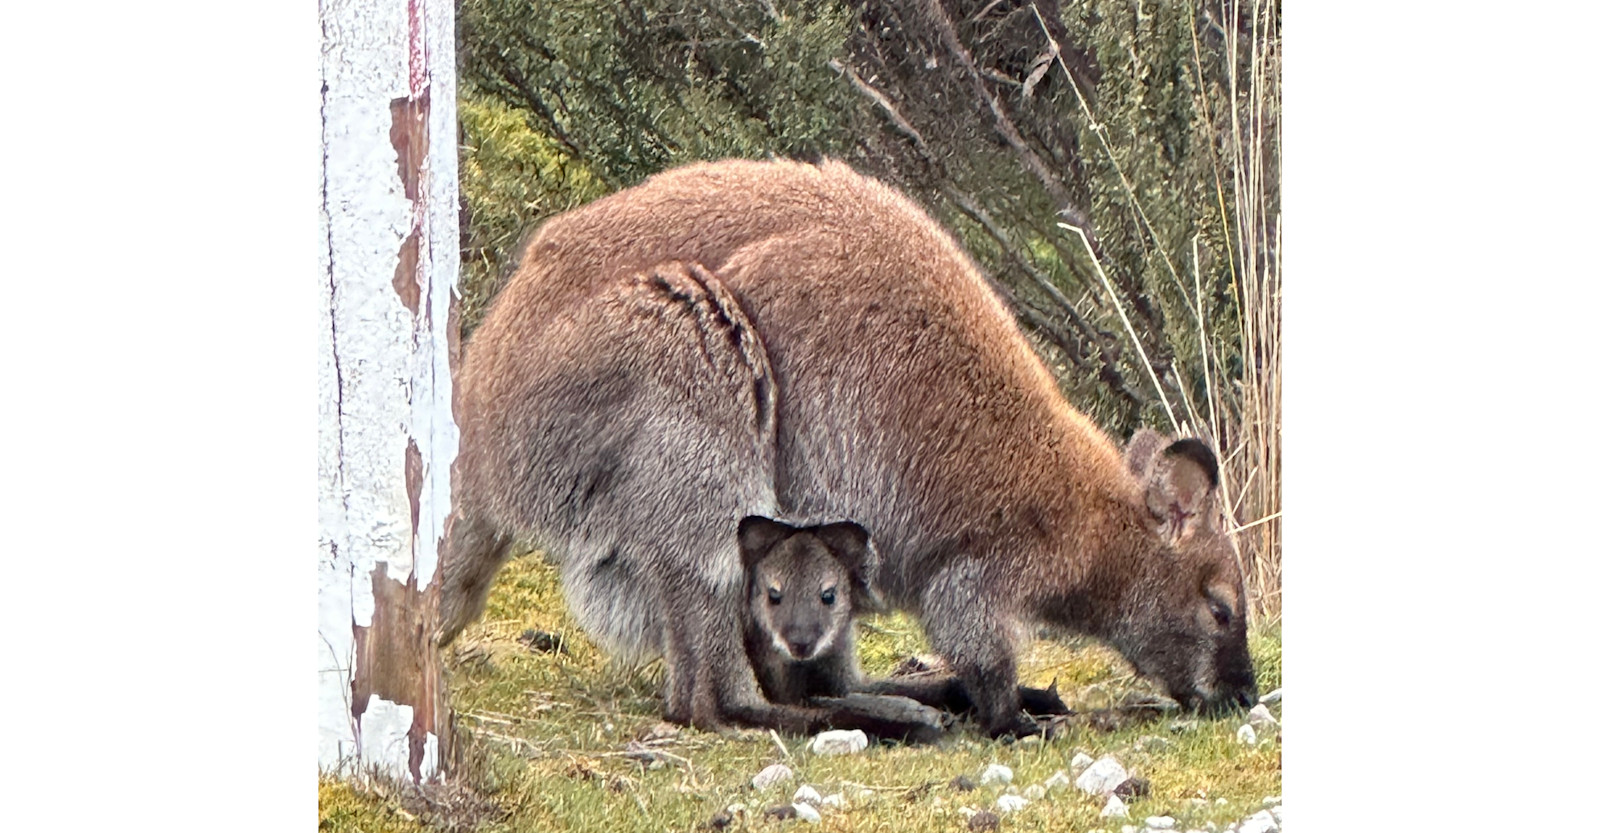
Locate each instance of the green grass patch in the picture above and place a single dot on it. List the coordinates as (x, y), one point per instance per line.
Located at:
(546, 734)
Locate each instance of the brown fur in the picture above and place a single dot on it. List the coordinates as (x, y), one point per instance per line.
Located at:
(907, 400)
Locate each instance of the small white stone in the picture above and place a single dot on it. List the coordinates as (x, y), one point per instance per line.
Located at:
(1247, 734)
(735, 809)
(1080, 762)
(807, 812)
(863, 794)
(836, 800)
(1261, 822)
(1277, 814)
(839, 742)
(1272, 801)
(807, 794)
(772, 776)
(1273, 696)
(1114, 809)
(1222, 802)
(1058, 781)
(967, 812)
(1012, 790)
(1010, 803)
(1102, 776)
(1128, 828)
(1261, 718)
(995, 774)
(1160, 822)
(1035, 792)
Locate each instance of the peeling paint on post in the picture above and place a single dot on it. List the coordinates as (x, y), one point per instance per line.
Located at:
(387, 432)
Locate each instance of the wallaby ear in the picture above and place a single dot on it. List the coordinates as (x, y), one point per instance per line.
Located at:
(758, 535)
(1142, 448)
(1181, 486)
(850, 543)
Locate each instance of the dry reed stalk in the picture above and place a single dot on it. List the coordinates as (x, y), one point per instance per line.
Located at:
(1243, 412)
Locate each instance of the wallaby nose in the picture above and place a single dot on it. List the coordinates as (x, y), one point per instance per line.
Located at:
(801, 648)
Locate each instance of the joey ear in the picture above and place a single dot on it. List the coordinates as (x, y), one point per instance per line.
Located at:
(1142, 448)
(757, 535)
(1182, 485)
(850, 543)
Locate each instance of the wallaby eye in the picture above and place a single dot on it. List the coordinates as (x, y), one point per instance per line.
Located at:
(774, 596)
(1221, 613)
(827, 596)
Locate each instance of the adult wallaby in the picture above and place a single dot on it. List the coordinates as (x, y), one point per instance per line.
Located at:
(804, 587)
(901, 395)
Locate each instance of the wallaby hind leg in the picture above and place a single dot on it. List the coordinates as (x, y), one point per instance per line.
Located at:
(973, 637)
(680, 660)
(472, 554)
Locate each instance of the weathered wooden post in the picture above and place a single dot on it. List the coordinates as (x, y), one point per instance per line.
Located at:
(388, 338)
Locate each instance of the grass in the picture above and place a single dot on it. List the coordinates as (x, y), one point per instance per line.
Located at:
(546, 735)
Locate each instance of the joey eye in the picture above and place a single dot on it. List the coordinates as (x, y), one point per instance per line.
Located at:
(774, 596)
(1220, 612)
(828, 596)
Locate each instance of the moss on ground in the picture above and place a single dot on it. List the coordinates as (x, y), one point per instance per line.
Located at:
(548, 730)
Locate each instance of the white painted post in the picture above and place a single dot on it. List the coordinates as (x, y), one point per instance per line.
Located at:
(387, 433)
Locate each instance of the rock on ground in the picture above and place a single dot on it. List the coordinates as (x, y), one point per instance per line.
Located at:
(1114, 809)
(839, 742)
(1261, 822)
(1102, 776)
(1080, 762)
(1247, 734)
(1058, 781)
(807, 794)
(1010, 803)
(1035, 792)
(1261, 717)
(807, 812)
(771, 776)
(995, 774)
(1273, 696)
(982, 820)
(1160, 823)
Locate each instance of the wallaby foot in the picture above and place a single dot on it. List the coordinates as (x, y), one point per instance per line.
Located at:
(886, 717)
(945, 691)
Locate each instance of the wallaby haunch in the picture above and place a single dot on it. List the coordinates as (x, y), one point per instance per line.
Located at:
(776, 338)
